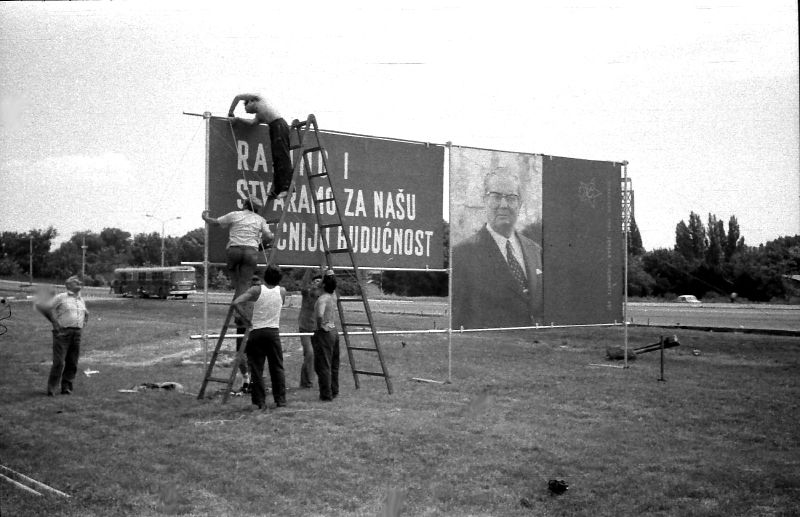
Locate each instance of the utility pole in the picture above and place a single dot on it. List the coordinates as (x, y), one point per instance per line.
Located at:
(163, 221)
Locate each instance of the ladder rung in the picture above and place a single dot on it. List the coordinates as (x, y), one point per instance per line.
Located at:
(351, 299)
(330, 225)
(299, 123)
(325, 199)
(365, 349)
(293, 147)
(219, 379)
(377, 374)
(358, 324)
(338, 250)
(317, 175)
(312, 150)
(272, 221)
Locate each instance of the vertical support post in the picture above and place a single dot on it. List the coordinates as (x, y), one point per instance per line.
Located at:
(30, 258)
(449, 282)
(661, 344)
(626, 229)
(207, 117)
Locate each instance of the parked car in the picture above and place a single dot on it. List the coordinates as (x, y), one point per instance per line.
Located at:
(690, 299)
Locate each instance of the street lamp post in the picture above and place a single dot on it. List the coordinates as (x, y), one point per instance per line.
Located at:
(163, 222)
(83, 259)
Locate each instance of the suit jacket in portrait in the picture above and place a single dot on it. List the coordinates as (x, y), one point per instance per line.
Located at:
(485, 293)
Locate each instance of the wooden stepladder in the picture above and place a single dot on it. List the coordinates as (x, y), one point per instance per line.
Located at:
(330, 227)
(240, 356)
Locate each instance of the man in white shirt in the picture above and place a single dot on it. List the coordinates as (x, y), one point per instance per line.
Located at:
(67, 312)
(247, 231)
(265, 340)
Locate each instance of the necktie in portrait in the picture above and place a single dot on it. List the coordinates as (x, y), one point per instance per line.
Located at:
(516, 268)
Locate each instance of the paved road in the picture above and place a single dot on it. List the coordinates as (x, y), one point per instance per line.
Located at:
(746, 316)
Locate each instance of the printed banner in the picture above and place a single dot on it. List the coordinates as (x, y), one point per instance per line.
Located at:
(389, 194)
(496, 233)
(582, 237)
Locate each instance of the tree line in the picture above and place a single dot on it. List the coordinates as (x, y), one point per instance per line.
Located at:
(708, 260)
(711, 261)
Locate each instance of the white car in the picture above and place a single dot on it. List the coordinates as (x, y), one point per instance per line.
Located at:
(690, 299)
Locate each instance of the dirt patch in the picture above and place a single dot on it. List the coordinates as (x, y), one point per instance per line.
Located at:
(145, 354)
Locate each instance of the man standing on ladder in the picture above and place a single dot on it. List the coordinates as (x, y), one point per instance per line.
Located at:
(247, 231)
(278, 138)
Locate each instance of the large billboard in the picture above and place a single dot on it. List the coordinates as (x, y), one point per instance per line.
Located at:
(389, 194)
(536, 240)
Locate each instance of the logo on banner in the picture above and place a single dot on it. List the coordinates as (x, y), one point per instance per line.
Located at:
(588, 193)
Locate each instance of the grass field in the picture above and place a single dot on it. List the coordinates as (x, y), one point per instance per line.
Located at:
(719, 437)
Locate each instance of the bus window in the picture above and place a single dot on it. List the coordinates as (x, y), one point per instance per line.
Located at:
(183, 276)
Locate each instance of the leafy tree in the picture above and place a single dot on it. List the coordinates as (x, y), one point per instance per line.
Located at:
(16, 247)
(115, 239)
(191, 246)
(146, 249)
(698, 234)
(635, 247)
(734, 242)
(670, 271)
(715, 252)
(683, 241)
(9, 267)
(65, 261)
(640, 283)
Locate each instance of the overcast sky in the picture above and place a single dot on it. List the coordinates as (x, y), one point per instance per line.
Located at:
(700, 97)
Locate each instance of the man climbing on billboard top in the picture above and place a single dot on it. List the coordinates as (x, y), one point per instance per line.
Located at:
(278, 138)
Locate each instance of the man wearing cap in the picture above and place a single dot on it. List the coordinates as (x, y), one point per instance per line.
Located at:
(67, 312)
(247, 231)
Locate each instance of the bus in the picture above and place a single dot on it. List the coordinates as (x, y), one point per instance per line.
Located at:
(154, 281)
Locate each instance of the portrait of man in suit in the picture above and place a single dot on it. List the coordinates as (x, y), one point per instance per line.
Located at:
(497, 271)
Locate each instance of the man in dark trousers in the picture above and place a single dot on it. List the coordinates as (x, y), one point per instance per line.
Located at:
(265, 340)
(310, 290)
(265, 113)
(326, 340)
(497, 272)
(67, 312)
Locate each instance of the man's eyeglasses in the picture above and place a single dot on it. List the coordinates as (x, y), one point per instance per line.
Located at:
(494, 199)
